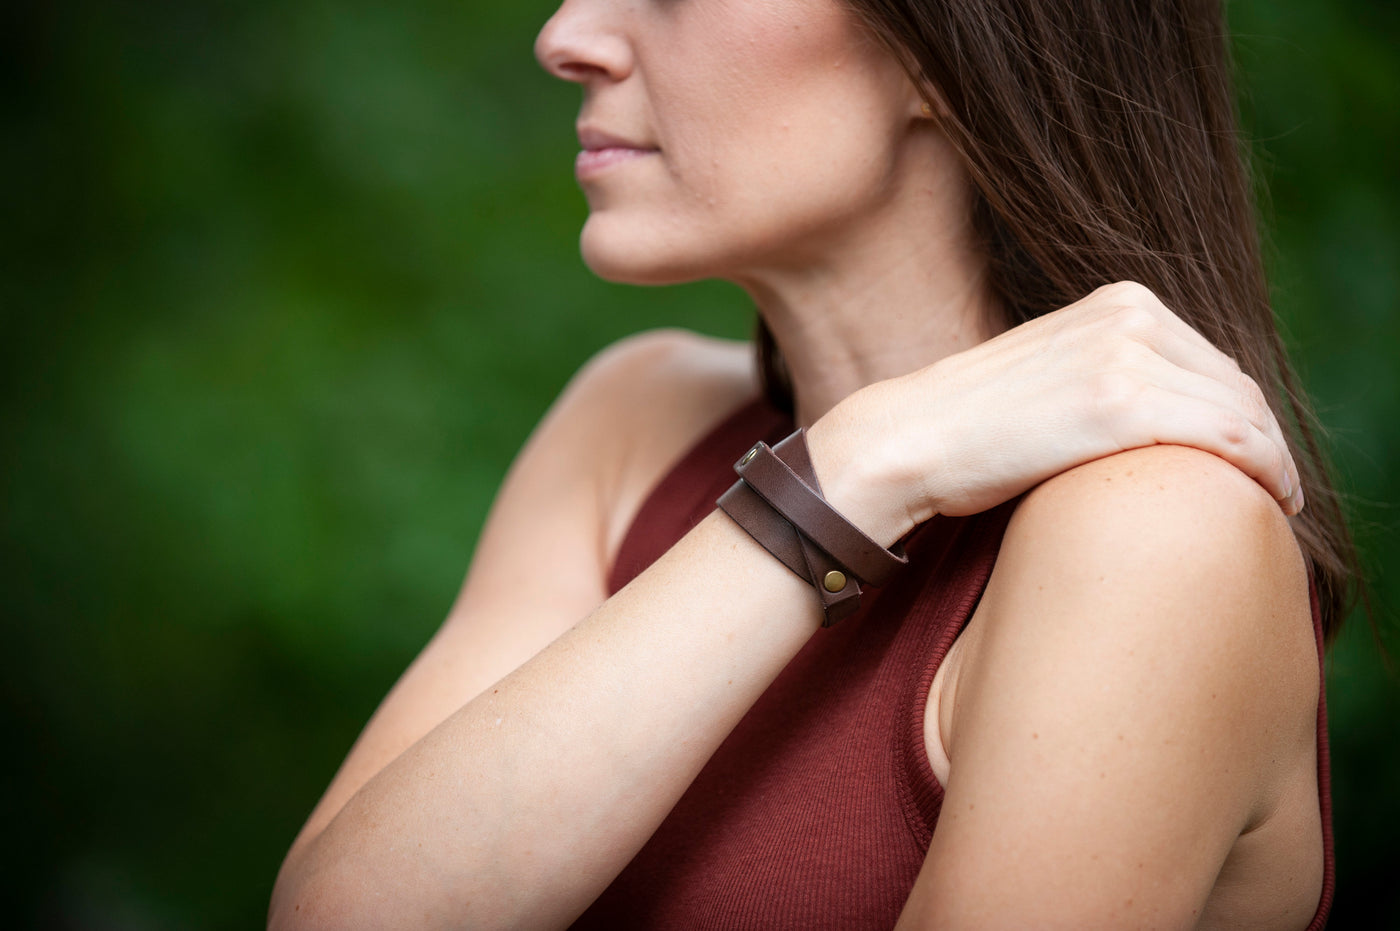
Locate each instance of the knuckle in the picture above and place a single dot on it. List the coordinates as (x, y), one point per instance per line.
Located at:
(1135, 320)
(1277, 460)
(1126, 355)
(1128, 293)
(1113, 394)
(1234, 429)
(1255, 402)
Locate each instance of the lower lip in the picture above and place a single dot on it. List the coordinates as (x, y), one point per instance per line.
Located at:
(592, 161)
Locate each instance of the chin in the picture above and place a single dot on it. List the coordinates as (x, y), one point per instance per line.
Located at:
(627, 254)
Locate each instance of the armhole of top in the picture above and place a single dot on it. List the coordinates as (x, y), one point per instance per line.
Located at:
(973, 549)
(1324, 772)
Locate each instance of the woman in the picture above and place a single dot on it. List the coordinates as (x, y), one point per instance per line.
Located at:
(1094, 705)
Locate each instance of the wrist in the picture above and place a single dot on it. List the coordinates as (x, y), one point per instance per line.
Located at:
(860, 462)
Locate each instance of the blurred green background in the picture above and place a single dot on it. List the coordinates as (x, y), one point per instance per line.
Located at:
(285, 286)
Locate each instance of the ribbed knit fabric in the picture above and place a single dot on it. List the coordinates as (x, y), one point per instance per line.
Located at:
(816, 812)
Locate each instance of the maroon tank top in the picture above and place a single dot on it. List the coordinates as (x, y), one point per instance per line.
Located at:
(817, 810)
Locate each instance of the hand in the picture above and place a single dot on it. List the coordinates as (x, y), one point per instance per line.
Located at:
(1114, 371)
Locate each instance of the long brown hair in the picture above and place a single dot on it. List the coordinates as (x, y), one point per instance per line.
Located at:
(1101, 135)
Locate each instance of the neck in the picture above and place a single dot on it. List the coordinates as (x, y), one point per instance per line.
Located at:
(883, 304)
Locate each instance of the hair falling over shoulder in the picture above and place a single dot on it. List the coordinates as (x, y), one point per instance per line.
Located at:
(1103, 139)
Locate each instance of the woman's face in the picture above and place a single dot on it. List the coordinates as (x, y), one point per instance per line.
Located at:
(724, 137)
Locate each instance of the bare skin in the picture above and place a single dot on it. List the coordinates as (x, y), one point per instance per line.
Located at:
(547, 729)
(1143, 727)
(454, 789)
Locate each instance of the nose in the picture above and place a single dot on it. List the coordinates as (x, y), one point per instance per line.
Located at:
(581, 42)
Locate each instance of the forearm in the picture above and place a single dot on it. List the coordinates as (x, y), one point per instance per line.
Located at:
(522, 806)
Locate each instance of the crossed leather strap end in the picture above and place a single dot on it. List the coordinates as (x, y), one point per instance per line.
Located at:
(778, 502)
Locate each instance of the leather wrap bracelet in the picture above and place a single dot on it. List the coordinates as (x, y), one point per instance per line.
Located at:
(778, 501)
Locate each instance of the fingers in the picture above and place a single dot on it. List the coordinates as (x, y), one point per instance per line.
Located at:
(1224, 379)
(1118, 370)
(1142, 314)
(1200, 371)
(1248, 402)
(1201, 413)
(1139, 314)
(1181, 345)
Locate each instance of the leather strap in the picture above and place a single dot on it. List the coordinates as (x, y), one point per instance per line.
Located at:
(780, 538)
(787, 475)
(765, 525)
(804, 507)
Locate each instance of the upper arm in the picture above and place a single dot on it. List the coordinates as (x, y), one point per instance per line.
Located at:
(1138, 676)
(541, 563)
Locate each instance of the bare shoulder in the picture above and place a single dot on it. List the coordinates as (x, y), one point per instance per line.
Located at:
(1135, 694)
(1172, 550)
(670, 360)
(647, 399)
(1172, 524)
(1182, 490)
(624, 416)
(633, 408)
(669, 376)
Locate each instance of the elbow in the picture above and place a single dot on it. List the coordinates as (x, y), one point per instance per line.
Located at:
(312, 905)
(304, 900)
(285, 914)
(290, 908)
(321, 889)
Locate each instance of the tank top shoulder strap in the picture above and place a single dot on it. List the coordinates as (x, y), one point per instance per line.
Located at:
(687, 491)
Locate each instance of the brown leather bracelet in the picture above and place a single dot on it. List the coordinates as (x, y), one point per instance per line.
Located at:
(778, 502)
(748, 509)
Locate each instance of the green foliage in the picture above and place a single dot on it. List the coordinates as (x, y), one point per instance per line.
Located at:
(286, 285)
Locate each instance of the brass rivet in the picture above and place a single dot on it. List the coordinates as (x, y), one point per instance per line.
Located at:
(748, 456)
(834, 581)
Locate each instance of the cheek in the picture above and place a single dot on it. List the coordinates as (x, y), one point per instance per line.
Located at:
(774, 127)
(805, 163)
(781, 105)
